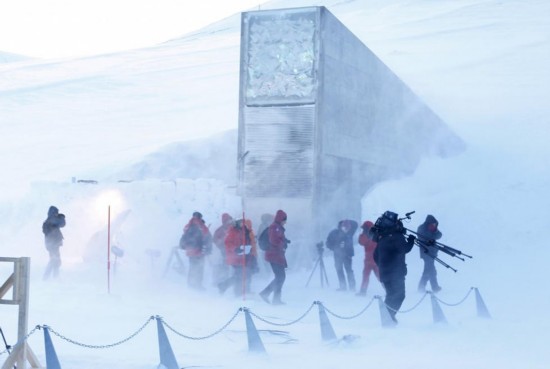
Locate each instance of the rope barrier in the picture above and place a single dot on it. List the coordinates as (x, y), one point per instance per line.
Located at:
(224, 326)
(458, 303)
(283, 324)
(408, 310)
(100, 346)
(414, 306)
(202, 337)
(351, 316)
(20, 341)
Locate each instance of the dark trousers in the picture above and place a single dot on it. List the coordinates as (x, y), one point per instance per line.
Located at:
(237, 280)
(341, 263)
(196, 272)
(429, 274)
(276, 285)
(395, 294)
(52, 269)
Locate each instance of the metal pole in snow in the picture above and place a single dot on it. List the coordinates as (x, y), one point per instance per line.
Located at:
(242, 159)
(109, 249)
(244, 259)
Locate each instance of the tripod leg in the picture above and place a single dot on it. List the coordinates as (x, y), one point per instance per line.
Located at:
(313, 271)
(324, 273)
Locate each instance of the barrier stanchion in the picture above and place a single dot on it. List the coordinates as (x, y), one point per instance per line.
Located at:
(327, 332)
(385, 317)
(482, 311)
(255, 343)
(437, 312)
(167, 357)
(52, 362)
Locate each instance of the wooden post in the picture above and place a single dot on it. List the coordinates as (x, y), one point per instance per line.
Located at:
(21, 289)
(19, 280)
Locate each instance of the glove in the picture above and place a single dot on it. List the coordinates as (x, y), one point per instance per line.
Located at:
(287, 240)
(410, 239)
(240, 250)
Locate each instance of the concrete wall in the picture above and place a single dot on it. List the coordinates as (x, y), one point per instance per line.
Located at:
(322, 120)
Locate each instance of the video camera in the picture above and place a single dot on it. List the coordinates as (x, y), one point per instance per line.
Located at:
(390, 223)
(387, 223)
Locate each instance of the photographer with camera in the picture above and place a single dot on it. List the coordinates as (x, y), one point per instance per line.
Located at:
(340, 241)
(53, 239)
(389, 233)
(426, 232)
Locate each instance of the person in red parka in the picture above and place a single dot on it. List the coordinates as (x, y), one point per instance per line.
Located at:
(197, 243)
(370, 266)
(275, 255)
(240, 251)
(218, 238)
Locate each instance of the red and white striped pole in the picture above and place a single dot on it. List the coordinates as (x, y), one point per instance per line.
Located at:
(109, 249)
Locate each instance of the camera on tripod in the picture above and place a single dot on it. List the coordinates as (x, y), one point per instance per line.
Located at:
(320, 247)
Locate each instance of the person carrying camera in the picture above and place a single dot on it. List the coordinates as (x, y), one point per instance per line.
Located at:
(275, 255)
(340, 241)
(53, 239)
(392, 246)
(428, 231)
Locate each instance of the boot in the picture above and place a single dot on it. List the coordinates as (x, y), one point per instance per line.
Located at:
(265, 296)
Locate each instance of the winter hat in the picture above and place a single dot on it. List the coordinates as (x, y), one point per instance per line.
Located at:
(53, 211)
(196, 214)
(367, 225)
(280, 216)
(430, 219)
(226, 218)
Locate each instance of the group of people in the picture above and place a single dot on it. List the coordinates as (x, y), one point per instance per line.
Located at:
(385, 250)
(237, 243)
(385, 244)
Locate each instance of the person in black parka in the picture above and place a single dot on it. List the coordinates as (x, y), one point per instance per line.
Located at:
(53, 239)
(340, 241)
(428, 231)
(390, 258)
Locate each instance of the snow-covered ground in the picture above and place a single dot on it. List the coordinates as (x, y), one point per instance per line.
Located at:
(480, 65)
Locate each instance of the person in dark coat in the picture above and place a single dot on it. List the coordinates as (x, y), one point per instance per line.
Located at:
(392, 246)
(197, 242)
(275, 255)
(428, 231)
(369, 266)
(53, 239)
(340, 241)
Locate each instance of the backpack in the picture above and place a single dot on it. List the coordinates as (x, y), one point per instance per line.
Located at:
(192, 237)
(263, 240)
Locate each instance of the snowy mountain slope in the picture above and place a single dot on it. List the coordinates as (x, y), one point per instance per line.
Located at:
(11, 58)
(430, 46)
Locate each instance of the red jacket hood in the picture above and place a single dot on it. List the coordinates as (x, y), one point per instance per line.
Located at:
(280, 216)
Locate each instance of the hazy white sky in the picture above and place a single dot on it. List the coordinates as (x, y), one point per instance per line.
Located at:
(67, 28)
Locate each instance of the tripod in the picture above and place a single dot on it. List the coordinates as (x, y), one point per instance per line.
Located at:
(321, 264)
(8, 347)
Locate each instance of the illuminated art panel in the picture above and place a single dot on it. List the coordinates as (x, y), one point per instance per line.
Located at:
(281, 57)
